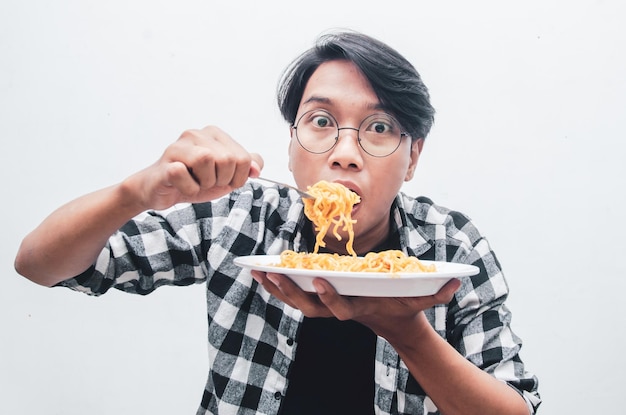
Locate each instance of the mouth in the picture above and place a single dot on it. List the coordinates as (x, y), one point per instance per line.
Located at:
(355, 189)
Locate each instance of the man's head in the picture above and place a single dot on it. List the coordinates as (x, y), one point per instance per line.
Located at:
(395, 81)
(353, 103)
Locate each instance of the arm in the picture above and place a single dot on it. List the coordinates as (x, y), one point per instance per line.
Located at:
(68, 241)
(201, 165)
(454, 384)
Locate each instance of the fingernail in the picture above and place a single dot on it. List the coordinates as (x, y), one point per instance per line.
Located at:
(319, 288)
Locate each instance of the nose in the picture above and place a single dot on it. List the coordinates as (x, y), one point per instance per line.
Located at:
(347, 151)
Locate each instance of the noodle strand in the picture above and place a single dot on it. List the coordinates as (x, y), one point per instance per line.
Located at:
(332, 208)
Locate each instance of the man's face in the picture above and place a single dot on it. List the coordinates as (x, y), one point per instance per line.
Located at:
(339, 88)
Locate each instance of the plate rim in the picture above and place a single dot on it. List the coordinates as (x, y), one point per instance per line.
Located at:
(464, 270)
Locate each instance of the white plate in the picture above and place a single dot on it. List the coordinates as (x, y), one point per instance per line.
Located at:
(366, 284)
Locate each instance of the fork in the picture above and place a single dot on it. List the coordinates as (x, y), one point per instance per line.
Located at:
(300, 192)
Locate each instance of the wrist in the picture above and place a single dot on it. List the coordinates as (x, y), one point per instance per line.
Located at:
(137, 193)
(127, 197)
(406, 332)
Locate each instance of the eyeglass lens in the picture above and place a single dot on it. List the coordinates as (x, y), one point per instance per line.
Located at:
(379, 134)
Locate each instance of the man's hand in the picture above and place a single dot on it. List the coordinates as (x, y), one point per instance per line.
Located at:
(382, 314)
(201, 165)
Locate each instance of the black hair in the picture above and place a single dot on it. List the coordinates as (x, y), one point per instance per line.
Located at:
(395, 81)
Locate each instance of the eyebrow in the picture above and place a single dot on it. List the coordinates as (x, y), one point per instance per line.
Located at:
(325, 100)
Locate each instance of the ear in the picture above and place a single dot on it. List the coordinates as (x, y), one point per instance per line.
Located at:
(289, 165)
(416, 150)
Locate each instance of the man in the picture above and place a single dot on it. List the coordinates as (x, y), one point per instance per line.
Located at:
(359, 114)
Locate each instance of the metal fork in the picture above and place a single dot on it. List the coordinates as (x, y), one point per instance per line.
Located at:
(300, 192)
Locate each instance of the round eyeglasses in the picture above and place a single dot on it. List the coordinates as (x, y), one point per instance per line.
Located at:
(379, 135)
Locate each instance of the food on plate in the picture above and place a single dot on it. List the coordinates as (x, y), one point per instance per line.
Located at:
(390, 261)
(332, 207)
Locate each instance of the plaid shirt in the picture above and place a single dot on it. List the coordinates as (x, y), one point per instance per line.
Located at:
(252, 336)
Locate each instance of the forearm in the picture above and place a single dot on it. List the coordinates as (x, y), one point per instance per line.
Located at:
(69, 240)
(201, 165)
(451, 381)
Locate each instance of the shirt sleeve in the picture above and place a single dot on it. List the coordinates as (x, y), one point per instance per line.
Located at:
(151, 250)
(479, 324)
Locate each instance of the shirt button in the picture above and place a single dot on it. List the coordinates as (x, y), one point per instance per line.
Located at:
(278, 395)
(289, 342)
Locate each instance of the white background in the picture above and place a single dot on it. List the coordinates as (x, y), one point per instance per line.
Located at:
(528, 141)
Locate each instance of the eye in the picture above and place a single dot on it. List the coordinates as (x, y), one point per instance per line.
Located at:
(321, 121)
(380, 125)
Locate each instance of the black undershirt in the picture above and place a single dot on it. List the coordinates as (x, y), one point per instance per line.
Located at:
(333, 372)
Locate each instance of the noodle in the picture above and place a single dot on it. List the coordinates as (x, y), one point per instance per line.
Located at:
(390, 261)
(333, 206)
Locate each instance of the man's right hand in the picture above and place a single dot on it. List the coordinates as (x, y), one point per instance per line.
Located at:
(201, 165)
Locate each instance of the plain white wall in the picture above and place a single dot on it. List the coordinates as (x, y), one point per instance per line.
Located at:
(528, 141)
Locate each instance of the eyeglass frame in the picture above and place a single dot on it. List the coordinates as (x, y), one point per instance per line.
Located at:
(402, 134)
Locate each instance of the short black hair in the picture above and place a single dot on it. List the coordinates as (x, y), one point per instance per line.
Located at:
(395, 80)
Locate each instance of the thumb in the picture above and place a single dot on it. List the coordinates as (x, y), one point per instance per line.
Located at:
(256, 165)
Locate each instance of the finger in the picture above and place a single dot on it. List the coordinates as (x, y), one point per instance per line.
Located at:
(258, 276)
(242, 164)
(209, 163)
(256, 165)
(226, 171)
(178, 176)
(196, 149)
(340, 306)
(271, 287)
(231, 162)
(445, 294)
(204, 174)
(308, 303)
(213, 158)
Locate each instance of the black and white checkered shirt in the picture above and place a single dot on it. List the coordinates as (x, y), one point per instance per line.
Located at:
(252, 337)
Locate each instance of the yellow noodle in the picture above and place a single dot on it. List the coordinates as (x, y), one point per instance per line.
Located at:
(390, 262)
(333, 205)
